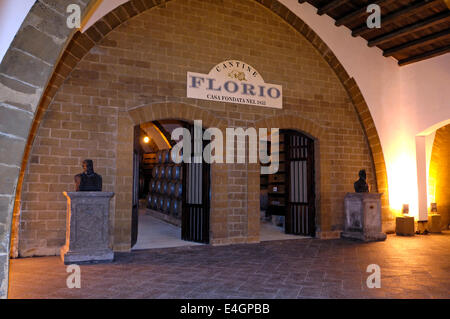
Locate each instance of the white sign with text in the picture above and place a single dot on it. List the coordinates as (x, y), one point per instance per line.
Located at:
(234, 82)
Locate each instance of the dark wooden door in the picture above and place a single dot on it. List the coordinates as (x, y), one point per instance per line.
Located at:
(196, 196)
(300, 194)
(135, 195)
(135, 209)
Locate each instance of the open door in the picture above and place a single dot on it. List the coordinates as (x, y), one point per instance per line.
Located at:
(196, 195)
(300, 195)
(135, 202)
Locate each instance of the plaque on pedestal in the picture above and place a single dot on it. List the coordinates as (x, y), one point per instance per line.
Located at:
(87, 232)
(363, 217)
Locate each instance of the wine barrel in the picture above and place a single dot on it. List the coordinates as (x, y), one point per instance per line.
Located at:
(164, 187)
(176, 172)
(154, 201)
(149, 201)
(160, 203)
(162, 171)
(155, 172)
(168, 172)
(171, 188)
(152, 186)
(159, 156)
(175, 208)
(169, 157)
(165, 156)
(178, 189)
(158, 186)
(166, 204)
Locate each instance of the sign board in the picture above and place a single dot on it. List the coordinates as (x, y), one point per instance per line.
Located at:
(234, 82)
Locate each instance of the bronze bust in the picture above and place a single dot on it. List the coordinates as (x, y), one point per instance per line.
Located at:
(88, 181)
(361, 185)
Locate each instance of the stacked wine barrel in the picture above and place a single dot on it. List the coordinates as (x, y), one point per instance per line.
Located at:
(166, 186)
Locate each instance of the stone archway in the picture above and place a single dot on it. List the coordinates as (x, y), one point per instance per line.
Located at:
(318, 134)
(439, 172)
(187, 113)
(27, 97)
(25, 72)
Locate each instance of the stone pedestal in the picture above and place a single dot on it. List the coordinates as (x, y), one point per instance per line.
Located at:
(434, 223)
(363, 217)
(404, 226)
(87, 232)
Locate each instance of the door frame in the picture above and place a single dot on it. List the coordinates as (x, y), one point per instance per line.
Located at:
(310, 226)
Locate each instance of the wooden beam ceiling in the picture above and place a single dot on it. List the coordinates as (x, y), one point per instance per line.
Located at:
(416, 43)
(438, 18)
(330, 6)
(411, 30)
(424, 56)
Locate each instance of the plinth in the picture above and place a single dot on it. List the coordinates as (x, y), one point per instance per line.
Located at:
(87, 228)
(404, 226)
(434, 223)
(363, 217)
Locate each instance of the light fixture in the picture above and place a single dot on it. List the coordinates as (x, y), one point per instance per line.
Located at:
(433, 207)
(146, 140)
(405, 209)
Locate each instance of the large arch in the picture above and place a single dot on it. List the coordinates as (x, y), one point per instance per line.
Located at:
(185, 112)
(318, 134)
(27, 97)
(439, 172)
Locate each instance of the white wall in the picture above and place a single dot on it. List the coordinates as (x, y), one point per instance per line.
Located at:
(103, 8)
(12, 14)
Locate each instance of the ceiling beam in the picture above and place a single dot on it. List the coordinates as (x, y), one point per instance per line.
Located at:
(438, 18)
(416, 43)
(424, 56)
(330, 6)
(392, 17)
(355, 14)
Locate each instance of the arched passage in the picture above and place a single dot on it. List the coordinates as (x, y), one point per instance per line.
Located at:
(439, 174)
(187, 113)
(318, 134)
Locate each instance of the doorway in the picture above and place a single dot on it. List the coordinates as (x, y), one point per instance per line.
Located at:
(170, 200)
(288, 197)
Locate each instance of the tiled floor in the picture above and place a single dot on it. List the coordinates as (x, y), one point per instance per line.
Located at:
(411, 267)
(155, 233)
(269, 231)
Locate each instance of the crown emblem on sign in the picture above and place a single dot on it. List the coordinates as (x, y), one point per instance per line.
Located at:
(235, 74)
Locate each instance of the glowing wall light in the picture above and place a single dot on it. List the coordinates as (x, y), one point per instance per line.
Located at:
(405, 209)
(146, 140)
(403, 184)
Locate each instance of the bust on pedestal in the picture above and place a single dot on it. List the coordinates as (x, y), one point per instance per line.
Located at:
(363, 213)
(87, 232)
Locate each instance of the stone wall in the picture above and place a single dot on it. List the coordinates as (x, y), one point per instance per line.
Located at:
(138, 73)
(439, 174)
